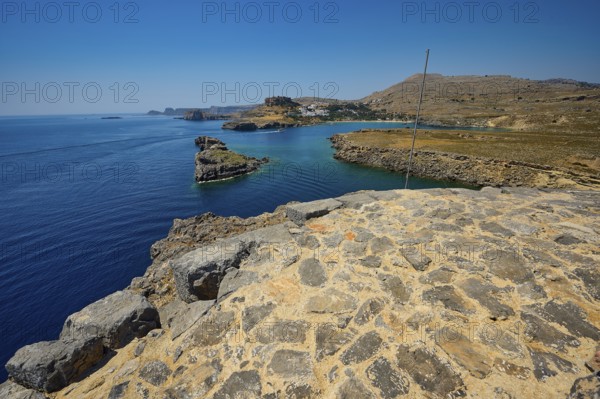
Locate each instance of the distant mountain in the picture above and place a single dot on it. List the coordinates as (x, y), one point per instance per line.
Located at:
(493, 101)
(214, 110)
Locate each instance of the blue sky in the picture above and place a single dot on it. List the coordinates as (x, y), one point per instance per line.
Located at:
(199, 53)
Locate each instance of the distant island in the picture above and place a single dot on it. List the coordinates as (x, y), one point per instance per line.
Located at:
(214, 110)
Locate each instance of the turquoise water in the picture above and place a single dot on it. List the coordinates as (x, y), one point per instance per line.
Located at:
(84, 198)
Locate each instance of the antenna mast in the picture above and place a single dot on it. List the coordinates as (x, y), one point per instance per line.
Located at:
(412, 149)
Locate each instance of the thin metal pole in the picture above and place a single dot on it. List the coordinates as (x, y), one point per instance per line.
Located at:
(412, 149)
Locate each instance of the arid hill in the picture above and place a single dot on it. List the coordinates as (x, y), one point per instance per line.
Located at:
(495, 101)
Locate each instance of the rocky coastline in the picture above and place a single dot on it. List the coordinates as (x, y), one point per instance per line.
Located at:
(434, 293)
(476, 171)
(215, 162)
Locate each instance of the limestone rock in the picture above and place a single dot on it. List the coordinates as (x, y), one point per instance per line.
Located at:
(216, 162)
(51, 366)
(10, 390)
(198, 274)
(300, 213)
(116, 319)
(155, 373)
(586, 387)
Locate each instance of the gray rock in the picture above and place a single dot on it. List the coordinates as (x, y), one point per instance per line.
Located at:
(236, 279)
(312, 273)
(353, 389)
(508, 266)
(368, 310)
(570, 316)
(417, 259)
(486, 294)
(354, 248)
(364, 348)
(371, 261)
(538, 330)
(179, 316)
(591, 280)
(331, 300)
(253, 315)
(427, 370)
(390, 383)
(496, 229)
(198, 274)
(10, 390)
(139, 349)
(117, 319)
(300, 213)
(396, 288)
(356, 200)
(330, 339)
(118, 391)
(241, 384)
(289, 331)
(289, 363)
(532, 290)
(211, 330)
(567, 239)
(442, 275)
(155, 373)
(586, 387)
(447, 295)
(51, 366)
(542, 363)
(380, 245)
(300, 391)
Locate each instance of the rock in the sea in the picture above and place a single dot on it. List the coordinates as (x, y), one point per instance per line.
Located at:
(51, 366)
(117, 319)
(209, 143)
(216, 162)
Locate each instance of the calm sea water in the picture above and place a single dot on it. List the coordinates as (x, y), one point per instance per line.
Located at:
(82, 199)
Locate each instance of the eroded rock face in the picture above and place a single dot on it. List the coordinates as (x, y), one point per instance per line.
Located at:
(51, 366)
(216, 162)
(116, 319)
(383, 297)
(15, 391)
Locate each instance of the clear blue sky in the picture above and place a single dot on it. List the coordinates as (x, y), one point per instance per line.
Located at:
(178, 50)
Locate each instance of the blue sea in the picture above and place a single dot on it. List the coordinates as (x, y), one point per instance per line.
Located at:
(83, 198)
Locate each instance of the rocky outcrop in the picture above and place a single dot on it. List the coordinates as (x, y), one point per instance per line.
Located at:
(471, 170)
(240, 126)
(435, 293)
(15, 391)
(281, 101)
(116, 319)
(194, 115)
(216, 162)
(51, 366)
(87, 337)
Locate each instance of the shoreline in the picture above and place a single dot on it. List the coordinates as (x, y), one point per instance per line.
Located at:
(177, 352)
(478, 171)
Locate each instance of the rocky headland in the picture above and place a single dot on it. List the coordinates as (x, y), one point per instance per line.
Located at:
(441, 293)
(544, 160)
(216, 162)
